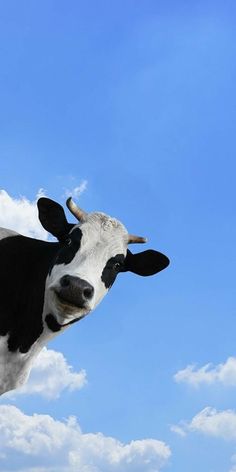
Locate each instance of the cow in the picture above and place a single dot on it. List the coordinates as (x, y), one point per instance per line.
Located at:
(48, 286)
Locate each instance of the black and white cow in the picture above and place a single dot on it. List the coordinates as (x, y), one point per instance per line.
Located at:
(47, 286)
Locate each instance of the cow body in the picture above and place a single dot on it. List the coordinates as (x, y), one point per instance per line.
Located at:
(47, 286)
(24, 267)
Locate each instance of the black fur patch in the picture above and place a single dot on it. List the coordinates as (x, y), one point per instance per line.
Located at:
(24, 266)
(113, 266)
(145, 263)
(69, 247)
(52, 323)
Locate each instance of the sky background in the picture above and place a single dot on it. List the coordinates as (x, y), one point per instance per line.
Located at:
(130, 106)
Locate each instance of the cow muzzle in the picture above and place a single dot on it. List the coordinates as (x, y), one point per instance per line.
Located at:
(75, 291)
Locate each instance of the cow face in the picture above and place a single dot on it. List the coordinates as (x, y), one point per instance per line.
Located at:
(90, 256)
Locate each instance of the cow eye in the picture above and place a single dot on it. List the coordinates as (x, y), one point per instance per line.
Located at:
(68, 241)
(117, 266)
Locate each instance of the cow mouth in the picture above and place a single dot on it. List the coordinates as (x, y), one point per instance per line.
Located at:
(68, 303)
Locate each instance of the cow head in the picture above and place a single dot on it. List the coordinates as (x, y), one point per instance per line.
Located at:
(91, 253)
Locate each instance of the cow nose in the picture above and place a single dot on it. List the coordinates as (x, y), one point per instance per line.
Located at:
(65, 281)
(75, 290)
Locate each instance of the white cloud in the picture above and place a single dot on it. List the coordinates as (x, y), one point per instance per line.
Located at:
(210, 422)
(77, 191)
(21, 215)
(49, 376)
(41, 444)
(224, 374)
(221, 424)
(178, 430)
(233, 459)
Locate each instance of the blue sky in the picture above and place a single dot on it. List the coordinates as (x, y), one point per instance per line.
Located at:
(138, 99)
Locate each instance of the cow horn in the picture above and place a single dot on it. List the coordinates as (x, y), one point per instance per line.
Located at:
(75, 210)
(136, 239)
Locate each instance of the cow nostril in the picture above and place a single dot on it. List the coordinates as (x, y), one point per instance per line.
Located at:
(88, 293)
(65, 281)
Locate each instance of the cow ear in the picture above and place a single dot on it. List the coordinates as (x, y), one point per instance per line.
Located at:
(53, 218)
(146, 263)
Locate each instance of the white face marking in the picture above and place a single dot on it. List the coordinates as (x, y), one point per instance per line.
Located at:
(102, 238)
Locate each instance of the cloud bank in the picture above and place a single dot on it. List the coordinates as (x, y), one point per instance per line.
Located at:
(40, 443)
